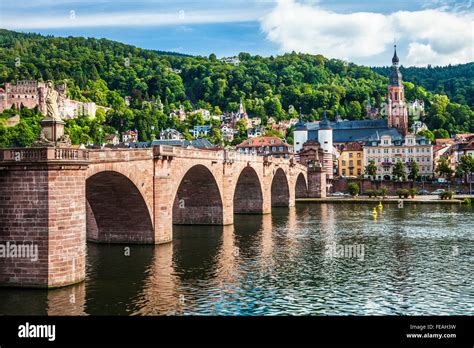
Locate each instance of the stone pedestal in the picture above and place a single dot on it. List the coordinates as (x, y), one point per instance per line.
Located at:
(52, 133)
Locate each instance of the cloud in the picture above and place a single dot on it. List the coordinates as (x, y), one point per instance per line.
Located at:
(73, 19)
(433, 36)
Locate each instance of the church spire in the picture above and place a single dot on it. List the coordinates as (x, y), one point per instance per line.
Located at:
(395, 75)
(395, 59)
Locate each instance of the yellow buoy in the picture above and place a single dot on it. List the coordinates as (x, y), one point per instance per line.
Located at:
(374, 212)
(380, 206)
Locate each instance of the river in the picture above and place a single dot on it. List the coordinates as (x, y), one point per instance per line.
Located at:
(314, 259)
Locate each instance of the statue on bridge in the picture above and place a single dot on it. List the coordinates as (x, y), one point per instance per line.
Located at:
(52, 126)
(51, 100)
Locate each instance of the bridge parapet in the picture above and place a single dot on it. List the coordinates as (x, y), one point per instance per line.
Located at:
(43, 154)
(120, 155)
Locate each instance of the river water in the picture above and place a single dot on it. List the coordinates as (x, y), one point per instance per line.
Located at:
(315, 259)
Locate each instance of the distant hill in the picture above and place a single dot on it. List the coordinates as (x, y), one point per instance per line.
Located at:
(105, 71)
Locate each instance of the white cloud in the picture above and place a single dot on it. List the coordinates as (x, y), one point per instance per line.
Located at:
(432, 36)
(122, 19)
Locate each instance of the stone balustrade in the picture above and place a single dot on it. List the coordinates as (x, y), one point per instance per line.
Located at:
(43, 154)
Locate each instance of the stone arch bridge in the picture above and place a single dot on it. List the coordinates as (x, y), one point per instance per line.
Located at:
(57, 198)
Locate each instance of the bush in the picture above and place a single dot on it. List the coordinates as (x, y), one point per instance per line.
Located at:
(353, 188)
(403, 193)
(383, 191)
(413, 192)
(370, 193)
(446, 195)
(467, 201)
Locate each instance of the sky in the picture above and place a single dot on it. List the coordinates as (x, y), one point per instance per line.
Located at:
(436, 32)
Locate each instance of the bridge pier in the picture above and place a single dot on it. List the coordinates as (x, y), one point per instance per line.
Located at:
(42, 217)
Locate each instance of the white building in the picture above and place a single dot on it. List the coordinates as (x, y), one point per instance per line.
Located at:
(388, 150)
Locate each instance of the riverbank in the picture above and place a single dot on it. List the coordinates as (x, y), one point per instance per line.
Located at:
(389, 200)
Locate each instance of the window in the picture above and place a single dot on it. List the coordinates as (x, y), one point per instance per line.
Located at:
(351, 163)
(350, 154)
(280, 149)
(343, 163)
(359, 163)
(343, 172)
(358, 154)
(385, 142)
(274, 148)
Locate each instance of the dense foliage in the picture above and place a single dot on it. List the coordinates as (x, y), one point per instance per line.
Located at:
(456, 81)
(105, 72)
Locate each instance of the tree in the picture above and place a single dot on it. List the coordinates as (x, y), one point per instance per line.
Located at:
(371, 169)
(441, 134)
(427, 134)
(443, 169)
(414, 170)
(466, 164)
(353, 188)
(399, 171)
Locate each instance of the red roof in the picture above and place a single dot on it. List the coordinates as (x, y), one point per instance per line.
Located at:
(262, 141)
(469, 146)
(444, 141)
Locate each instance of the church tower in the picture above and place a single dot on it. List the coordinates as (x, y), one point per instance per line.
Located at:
(396, 109)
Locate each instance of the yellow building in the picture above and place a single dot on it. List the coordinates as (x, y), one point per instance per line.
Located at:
(351, 160)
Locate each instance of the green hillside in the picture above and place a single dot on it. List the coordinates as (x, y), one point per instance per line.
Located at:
(105, 71)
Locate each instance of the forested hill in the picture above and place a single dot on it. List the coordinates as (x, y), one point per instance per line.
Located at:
(105, 71)
(456, 81)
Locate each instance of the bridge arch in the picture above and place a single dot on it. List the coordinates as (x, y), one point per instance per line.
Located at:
(116, 210)
(248, 195)
(198, 199)
(280, 189)
(301, 186)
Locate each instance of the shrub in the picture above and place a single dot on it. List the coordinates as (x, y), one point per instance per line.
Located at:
(467, 201)
(353, 188)
(413, 192)
(383, 191)
(446, 195)
(403, 193)
(369, 193)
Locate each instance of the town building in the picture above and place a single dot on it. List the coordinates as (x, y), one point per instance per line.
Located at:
(199, 131)
(351, 160)
(130, 136)
(170, 133)
(387, 150)
(179, 113)
(227, 133)
(206, 114)
(266, 146)
(112, 139)
(255, 132)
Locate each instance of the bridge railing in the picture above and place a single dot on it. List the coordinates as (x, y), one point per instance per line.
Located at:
(43, 154)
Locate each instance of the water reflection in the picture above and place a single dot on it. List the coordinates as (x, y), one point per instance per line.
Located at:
(417, 260)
